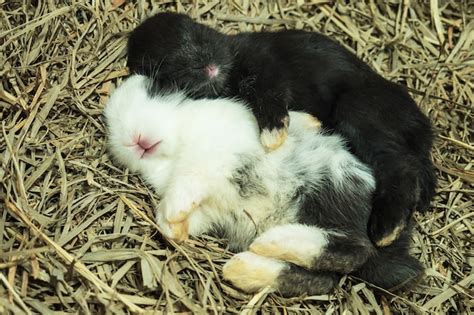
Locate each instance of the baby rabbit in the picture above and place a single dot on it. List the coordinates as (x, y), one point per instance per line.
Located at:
(296, 70)
(298, 214)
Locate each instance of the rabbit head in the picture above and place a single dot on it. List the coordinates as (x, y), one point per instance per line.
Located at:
(180, 54)
(142, 129)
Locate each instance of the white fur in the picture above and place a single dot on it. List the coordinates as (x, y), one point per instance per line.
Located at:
(250, 272)
(198, 148)
(130, 112)
(202, 144)
(296, 243)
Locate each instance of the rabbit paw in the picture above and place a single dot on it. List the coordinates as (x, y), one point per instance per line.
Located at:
(175, 231)
(180, 202)
(386, 226)
(295, 243)
(250, 272)
(390, 238)
(178, 211)
(310, 122)
(384, 235)
(273, 138)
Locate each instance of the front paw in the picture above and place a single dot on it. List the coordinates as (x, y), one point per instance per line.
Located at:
(273, 137)
(179, 203)
(250, 272)
(178, 232)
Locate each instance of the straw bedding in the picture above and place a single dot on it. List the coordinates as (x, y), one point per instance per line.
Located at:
(76, 232)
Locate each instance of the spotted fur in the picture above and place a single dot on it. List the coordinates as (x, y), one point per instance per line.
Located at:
(302, 209)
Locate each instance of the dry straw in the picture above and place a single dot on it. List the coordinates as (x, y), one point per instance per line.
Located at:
(75, 230)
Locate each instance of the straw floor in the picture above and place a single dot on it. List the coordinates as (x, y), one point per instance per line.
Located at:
(76, 232)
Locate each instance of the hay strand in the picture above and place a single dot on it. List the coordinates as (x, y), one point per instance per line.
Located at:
(77, 233)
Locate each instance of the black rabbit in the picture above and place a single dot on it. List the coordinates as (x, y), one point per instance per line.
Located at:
(296, 70)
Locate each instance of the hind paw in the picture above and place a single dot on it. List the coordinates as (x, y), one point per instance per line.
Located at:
(250, 272)
(390, 237)
(384, 231)
(295, 243)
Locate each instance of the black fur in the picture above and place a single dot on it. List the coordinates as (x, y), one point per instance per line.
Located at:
(392, 267)
(247, 179)
(340, 206)
(347, 209)
(274, 72)
(298, 281)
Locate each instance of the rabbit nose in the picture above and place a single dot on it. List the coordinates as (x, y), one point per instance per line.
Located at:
(144, 143)
(212, 71)
(147, 145)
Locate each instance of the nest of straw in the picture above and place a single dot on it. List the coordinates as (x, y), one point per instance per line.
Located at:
(75, 230)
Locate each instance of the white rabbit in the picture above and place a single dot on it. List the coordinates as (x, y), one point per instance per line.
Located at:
(299, 213)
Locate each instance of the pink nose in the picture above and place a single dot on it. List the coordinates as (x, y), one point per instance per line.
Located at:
(212, 71)
(146, 145)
